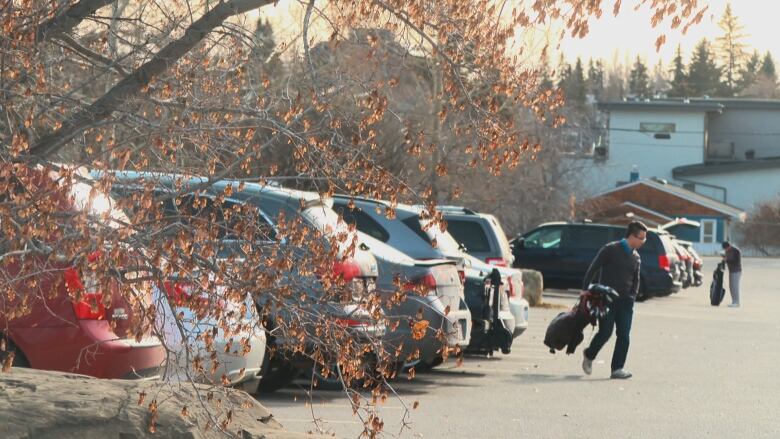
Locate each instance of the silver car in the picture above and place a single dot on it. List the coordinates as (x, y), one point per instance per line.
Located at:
(192, 335)
(442, 306)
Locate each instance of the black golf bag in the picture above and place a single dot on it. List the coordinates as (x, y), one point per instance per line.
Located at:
(565, 330)
(716, 288)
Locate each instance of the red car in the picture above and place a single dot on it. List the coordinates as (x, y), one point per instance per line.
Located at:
(70, 325)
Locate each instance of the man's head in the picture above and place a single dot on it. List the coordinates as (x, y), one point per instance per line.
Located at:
(726, 245)
(636, 234)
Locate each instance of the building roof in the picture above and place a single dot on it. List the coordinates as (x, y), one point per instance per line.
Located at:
(685, 194)
(726, 167)
(665, 104)
(693, 104)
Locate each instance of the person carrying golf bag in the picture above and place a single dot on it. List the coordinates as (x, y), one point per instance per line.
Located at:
(617, 265)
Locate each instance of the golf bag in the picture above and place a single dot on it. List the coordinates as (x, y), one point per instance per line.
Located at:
(716, 288)
(565, 330)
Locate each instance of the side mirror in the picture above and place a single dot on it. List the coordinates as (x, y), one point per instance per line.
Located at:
(519, 243)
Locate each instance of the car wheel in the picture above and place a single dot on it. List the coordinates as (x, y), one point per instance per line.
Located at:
(19, 359)
(642, 294)
(275, 373)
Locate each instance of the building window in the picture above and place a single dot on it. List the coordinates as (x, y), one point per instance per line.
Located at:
(708, 231)
(656, 127)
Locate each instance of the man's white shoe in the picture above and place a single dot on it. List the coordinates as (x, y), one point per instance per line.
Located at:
(733, 305)
(587, 365)
(620, 374)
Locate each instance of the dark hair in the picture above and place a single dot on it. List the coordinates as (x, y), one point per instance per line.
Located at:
(635, 227)
(725, 245)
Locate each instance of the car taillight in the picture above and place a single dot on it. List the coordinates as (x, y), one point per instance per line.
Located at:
(90, 307)
(499, 262)
(178, 292)
(350, 323)
(663, 262)
(461, 276)
(348, 270)
(515, 290)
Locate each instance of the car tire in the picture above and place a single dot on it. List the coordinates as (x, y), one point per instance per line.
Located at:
(642, 294)
(275, 373)
(19, 359)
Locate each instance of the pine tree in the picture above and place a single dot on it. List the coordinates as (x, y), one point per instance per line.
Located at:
(748, 75)
(659, 84)
(596, 79)
(768, 67)
(679, 84)
(703, 73)
(563, 73)
(639, 81)
(577, 88)
(730, 50)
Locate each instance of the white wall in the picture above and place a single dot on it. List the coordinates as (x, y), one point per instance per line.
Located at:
(744, 189)
(654, 157)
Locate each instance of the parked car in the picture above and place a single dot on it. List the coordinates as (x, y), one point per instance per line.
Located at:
(359, 271)
(408, 234)
(283, 362)
(562, 252)
(685, 264)
(483, 237)
(696, 262)
(487, 296)
(481, 234)
(58, 333)
(185, 328)
(439, 276)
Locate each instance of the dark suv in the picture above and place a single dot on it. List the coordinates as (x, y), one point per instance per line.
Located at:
(563, 252)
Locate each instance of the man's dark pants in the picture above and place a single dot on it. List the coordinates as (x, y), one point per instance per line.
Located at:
(619, 316)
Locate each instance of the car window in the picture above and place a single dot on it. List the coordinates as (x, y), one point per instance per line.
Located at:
(587, 237)
(501, 237)
(470, 234)
(413, 222)
(544, 238)
(363, 222)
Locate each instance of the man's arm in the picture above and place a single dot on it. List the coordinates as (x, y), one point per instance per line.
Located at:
(635, 282)
(595, 266)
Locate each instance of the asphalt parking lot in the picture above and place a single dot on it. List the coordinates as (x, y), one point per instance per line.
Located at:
(698, 371)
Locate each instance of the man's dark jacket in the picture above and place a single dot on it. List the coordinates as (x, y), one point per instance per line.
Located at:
(615, 267)
(734, 259)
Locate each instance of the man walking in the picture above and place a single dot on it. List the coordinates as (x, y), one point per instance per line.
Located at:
(733, 258)
(617, 265)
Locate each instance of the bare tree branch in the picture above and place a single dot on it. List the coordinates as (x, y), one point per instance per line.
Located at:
(131, 85)
(69, 19)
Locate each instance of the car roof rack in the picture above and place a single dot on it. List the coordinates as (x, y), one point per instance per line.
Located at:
(359, 198)
(451, 208)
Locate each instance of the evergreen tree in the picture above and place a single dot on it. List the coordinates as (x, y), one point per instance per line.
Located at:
(563, 73)
(596, 79)
(703, 73)
(679, 84)
(659, 84)
(577, 88)
(264, 39)
(748, 75)
(730, 50)
(639, 81)
(768, 67)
